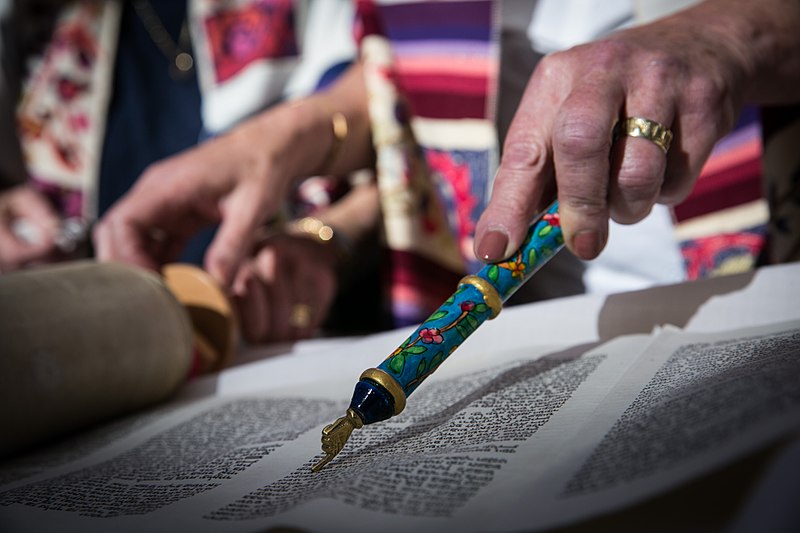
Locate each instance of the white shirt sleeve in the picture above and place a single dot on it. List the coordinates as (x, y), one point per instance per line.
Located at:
(561, 24)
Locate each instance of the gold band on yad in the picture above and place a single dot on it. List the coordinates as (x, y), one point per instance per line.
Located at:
(490, 294)
(390, 384)
(648, 129)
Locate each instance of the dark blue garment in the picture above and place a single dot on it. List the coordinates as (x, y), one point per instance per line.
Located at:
(152, 115)
(332, 74)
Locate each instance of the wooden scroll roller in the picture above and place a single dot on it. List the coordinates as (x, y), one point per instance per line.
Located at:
(214, 323)
(83, 342)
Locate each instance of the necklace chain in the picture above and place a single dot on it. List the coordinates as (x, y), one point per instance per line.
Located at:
(179, 54)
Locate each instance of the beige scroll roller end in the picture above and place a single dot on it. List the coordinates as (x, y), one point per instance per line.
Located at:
(214, 321)
(83, 342)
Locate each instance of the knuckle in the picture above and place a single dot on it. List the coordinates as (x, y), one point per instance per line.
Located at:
(514, 194)
(508, 206)
(605, 53)
(587, 205)
(637, 187)
(661, 67)
(640, 179)
(551, 66)
(529, 155)
(630, 212)
(584, 194)
(704, 93)
(579, 136)
(640, 191)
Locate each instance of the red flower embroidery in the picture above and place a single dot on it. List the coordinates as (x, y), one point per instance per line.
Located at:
(431, 336)
(69, 89)
(457, 175)
(78, 122)
(552, 219)
(238, 37)
(67, 155)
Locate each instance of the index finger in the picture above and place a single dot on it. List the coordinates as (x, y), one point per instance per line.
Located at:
(244, 211)
(525, 171)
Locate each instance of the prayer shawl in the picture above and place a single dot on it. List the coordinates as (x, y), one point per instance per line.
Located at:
(431, 72)
(248, 54)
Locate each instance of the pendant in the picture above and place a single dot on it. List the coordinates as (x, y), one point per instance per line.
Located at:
(184, 62)
(182, 66)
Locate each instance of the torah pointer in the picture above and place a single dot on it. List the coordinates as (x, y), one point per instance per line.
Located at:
(381, 392)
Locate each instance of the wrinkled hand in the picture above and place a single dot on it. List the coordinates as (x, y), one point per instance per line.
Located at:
(284, 292)
(28, 225)
(685, 76)
(232, 180)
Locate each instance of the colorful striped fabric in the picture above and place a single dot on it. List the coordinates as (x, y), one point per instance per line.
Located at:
(431, 70)
(732, 174)
(444, 56)
(721, 226)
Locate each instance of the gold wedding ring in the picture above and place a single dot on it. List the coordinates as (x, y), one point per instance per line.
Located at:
(648, 129)
(301, 316)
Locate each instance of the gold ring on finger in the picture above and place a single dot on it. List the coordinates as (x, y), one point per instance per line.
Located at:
(648, 129)
(300, 316)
